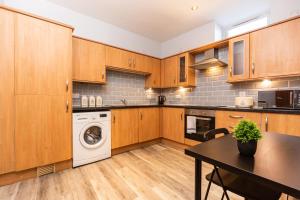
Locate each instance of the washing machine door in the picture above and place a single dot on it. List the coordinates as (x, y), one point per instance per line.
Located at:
(92, 136)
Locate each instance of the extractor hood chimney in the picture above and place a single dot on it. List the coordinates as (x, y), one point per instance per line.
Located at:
(211, 59)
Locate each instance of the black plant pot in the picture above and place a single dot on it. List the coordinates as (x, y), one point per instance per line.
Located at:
(248, 148)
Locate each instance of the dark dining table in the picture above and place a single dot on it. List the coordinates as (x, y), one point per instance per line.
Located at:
(276, 162)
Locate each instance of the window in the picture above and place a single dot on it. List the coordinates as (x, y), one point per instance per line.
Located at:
(248, 26)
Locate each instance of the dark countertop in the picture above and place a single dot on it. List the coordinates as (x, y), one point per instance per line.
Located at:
(226, 108)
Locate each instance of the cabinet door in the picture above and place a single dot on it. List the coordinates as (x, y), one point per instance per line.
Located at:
(229, 119)
(170, 72)
(186, 75)
(88, 61)
(139, 63)
(173, 124)
(43, 130)
(275, 50)
(148, 124)
(238, 60)
(153, 80)
(125, 127)
(118, 58)
(42, 58)
(281, 123)
(7, 92)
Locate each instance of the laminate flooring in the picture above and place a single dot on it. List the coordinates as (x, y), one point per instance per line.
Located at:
(154, 172)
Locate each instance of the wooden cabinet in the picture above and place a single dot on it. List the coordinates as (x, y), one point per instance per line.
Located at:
(88, 61)
(175, 71)
(153, 80)
(7, 99)
(186, 75)
(118, 59)
(43, 59)
(173, 124)
(238, 59)
(148, 124)
(275, 50)
(125, 127)
(281, 123)
(229, 119)
(169, 72)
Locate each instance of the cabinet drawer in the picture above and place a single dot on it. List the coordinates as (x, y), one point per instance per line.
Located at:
(229, 119)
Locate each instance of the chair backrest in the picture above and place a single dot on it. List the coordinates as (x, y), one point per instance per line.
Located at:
(212, 133)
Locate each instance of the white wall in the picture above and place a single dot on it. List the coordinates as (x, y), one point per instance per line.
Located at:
(199, 36)
(89, 27)
(283, 9)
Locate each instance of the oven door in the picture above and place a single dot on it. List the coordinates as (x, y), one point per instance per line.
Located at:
(197, 126)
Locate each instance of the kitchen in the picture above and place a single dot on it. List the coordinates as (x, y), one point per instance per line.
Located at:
(88, 118)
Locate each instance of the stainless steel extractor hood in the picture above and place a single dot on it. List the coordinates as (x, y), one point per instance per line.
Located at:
(211, 59)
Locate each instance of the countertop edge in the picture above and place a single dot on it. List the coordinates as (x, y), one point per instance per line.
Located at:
(258, 110)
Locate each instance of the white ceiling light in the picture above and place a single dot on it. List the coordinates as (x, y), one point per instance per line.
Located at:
(193, 8)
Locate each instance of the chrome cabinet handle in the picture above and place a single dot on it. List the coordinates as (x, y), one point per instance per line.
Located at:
(236, 117)
(253, 67)
(67, 106)
(133, 63)
(141, 116)
(267, 123)
(181, 116)
(129, 62)
(114, 119)
(67, 85)
(230, 70)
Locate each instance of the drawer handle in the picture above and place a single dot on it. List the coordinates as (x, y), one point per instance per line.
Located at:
(236, 117)
(67, 85)
(232, 127)
(67, 106)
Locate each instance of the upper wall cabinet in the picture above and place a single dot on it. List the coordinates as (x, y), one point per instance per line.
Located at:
(118, 59)
(238, 61)
(169, 72)
(88, 61)
(175, 71)
(274, 51)
(186, 75)
(154, 79)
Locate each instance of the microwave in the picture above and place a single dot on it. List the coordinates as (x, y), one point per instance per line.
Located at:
(284, 99)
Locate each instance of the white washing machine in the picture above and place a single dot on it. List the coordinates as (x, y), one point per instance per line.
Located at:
(91, 137)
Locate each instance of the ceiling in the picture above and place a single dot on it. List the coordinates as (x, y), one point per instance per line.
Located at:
(161, 20)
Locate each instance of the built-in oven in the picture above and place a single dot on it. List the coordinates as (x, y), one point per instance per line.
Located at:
(198, 123)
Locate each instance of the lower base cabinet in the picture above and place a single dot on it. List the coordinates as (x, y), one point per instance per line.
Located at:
(148, 124)
(173, 124)
(229, 119)
(281, 123)
(131, 126)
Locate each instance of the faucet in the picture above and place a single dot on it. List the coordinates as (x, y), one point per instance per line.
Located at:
(124, 101)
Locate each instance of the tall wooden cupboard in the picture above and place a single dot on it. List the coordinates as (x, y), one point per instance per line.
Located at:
(35, 96)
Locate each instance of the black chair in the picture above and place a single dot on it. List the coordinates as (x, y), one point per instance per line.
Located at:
(239, 185)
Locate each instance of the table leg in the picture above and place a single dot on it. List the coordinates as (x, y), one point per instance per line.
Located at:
(198, 175)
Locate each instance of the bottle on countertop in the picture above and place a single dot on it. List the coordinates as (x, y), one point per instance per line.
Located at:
(84, 101)
(92, 101)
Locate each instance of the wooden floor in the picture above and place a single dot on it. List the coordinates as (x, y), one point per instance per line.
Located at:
(155, 172)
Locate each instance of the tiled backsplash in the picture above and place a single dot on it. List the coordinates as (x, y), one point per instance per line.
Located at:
(212, 88)
(119, 86)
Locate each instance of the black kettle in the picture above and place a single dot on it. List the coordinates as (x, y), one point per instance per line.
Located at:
(161, 99)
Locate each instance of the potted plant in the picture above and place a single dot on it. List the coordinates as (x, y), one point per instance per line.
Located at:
(247, 134)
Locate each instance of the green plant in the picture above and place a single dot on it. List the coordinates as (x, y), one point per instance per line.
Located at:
(246, 131)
